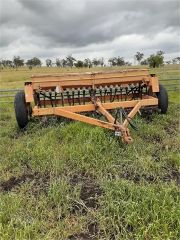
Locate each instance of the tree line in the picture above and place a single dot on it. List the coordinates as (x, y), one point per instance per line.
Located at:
(154, 60)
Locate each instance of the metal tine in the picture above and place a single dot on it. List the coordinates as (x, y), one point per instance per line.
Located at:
(105, 91)
(62, 98)
(38, 96)
(134, 91)
(90, 91)
(55, 95)
(137, 91)
(84, 94)
(50, 96)
(110, 92)
(44, 99)
(68, 96)
(126, 94)
(73, 90)
(79, 93)
(116, 91)
(38, 99)
(121, 89)
(131, 90)
(54, 98)
(94, 91)
(141, 89)
(100, 92)
(145, 88)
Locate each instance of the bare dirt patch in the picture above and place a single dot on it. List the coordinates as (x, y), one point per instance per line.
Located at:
(171, 129)
(136, 178)
(89, 193)
(91, 234)
(13, 182)
(39, 182)
(80, 236)
(172, 175)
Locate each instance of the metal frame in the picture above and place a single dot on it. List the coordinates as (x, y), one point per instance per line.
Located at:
(94, 80)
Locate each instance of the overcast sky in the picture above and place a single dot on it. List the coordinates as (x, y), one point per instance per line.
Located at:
(89, 28)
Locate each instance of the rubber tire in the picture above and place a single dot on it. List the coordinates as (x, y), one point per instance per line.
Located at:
(21, 110)
(162, 99)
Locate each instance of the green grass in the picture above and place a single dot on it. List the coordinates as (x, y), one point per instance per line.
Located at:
(69, 180)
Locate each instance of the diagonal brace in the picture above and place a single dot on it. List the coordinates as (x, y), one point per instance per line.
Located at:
(82, 118)
(123, 129)
(132, 113)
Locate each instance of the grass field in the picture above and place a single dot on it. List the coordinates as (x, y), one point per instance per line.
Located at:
(69, 180)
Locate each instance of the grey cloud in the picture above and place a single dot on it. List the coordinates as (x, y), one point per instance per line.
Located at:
(77, 23)
(81, 23)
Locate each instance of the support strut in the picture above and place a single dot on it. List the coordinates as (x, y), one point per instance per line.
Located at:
(120, 127)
